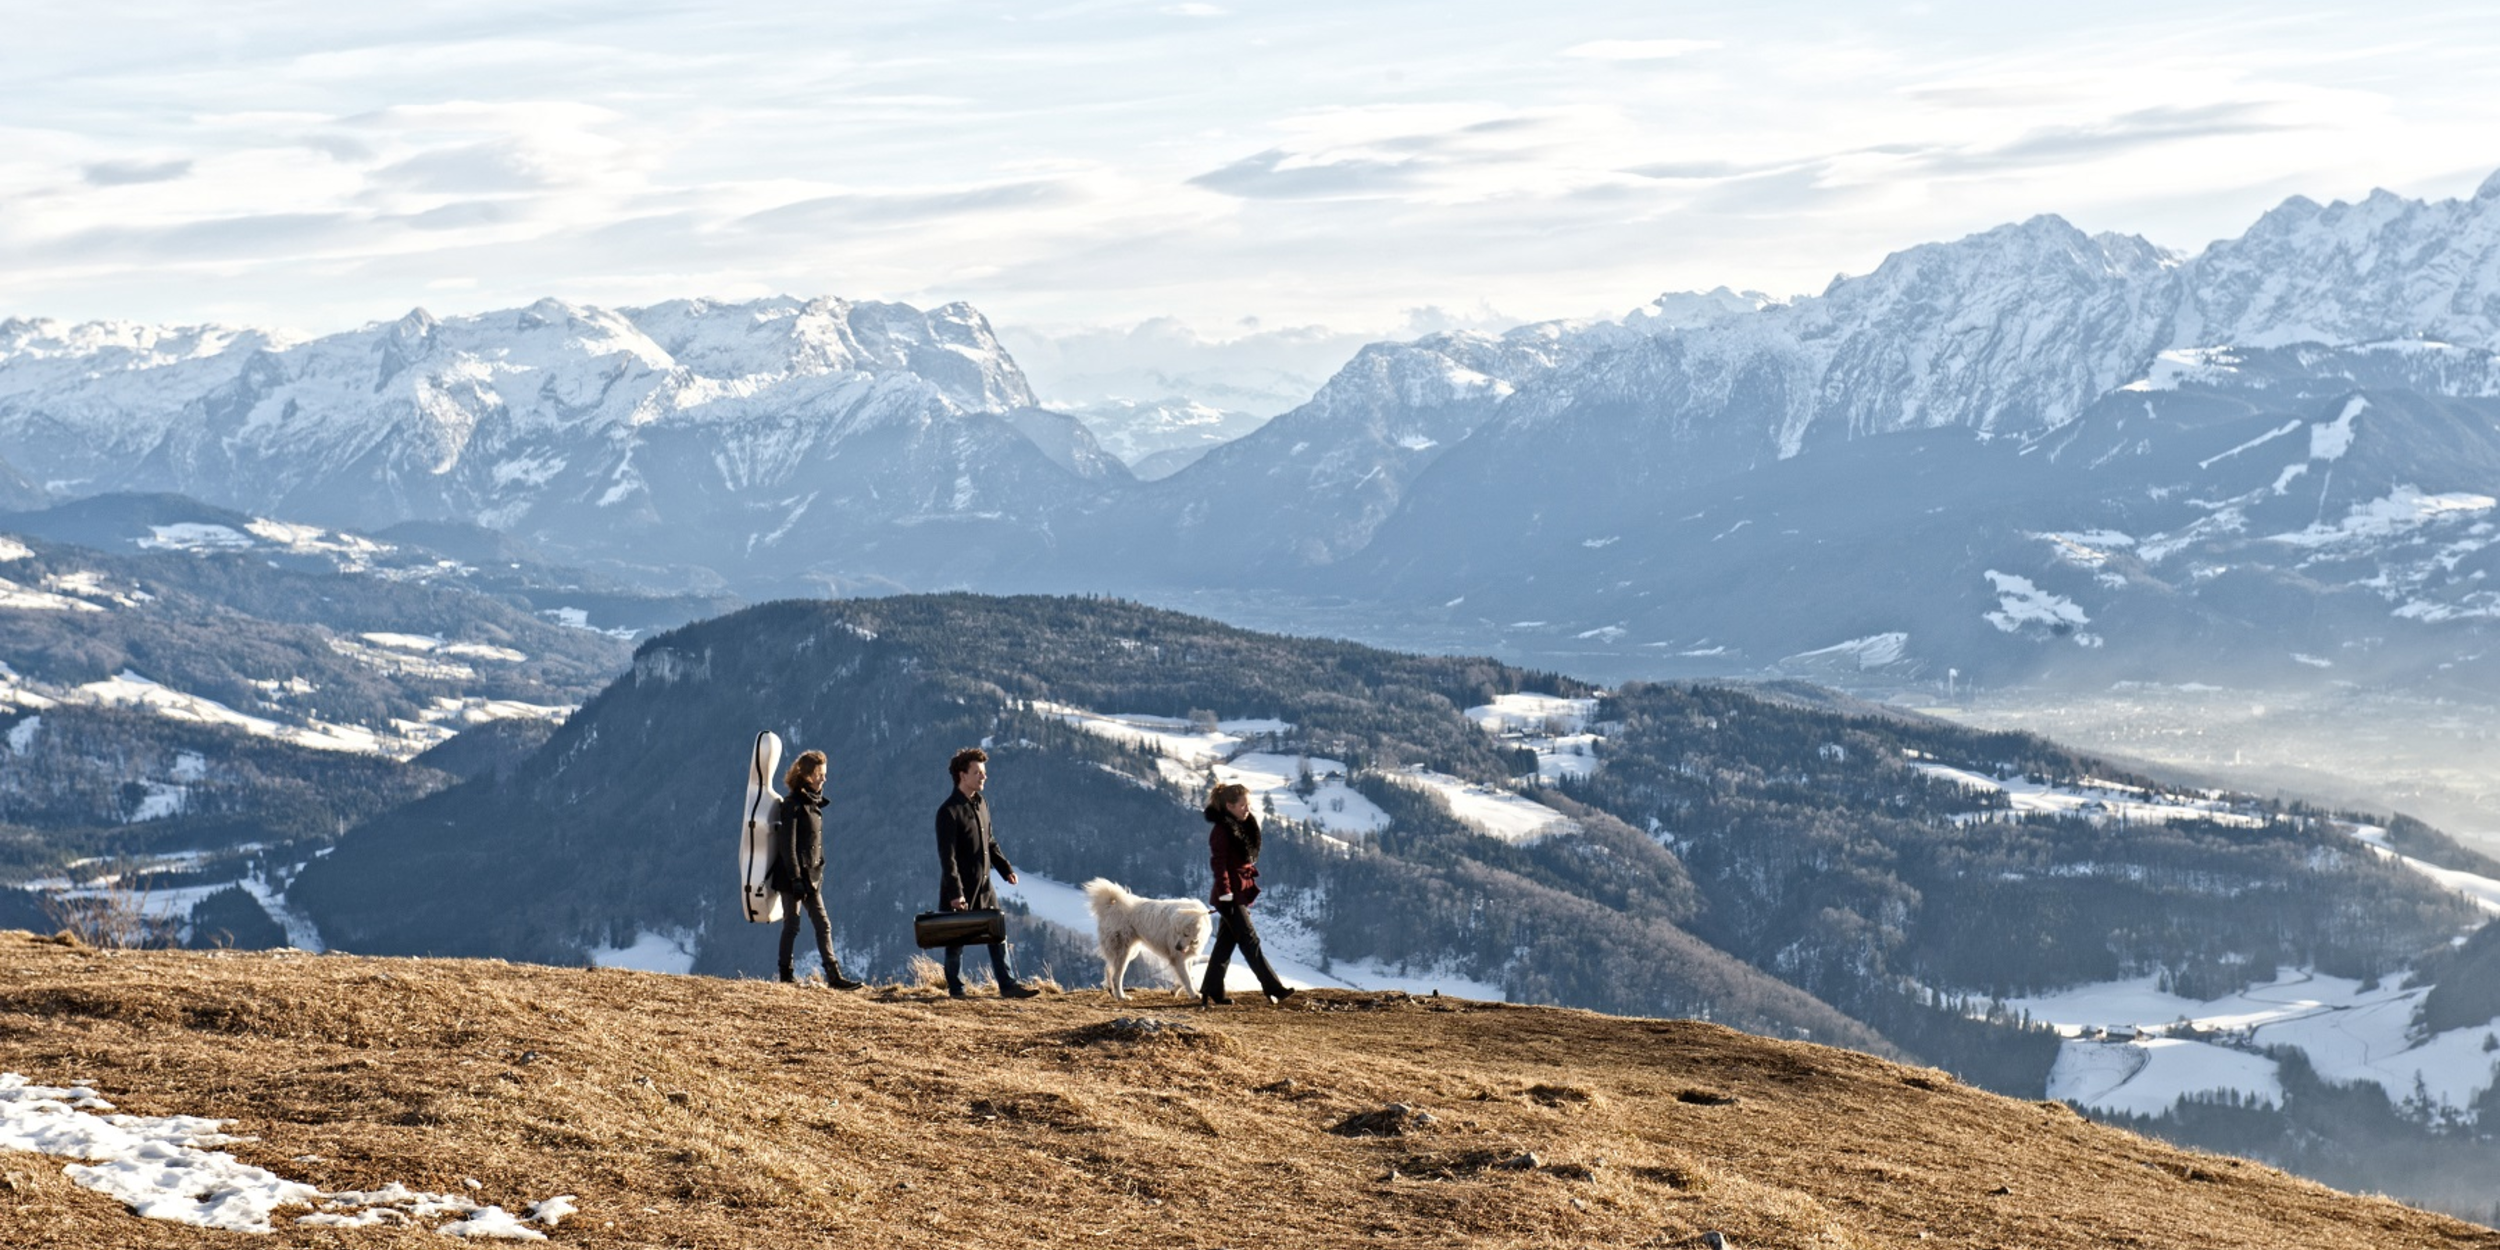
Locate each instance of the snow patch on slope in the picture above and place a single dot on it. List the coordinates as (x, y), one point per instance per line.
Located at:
(2400, 512)
(2021, 604)
(2329, 440)
(166, 1168)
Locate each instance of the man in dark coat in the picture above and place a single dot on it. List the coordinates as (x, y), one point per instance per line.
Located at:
(966, 852)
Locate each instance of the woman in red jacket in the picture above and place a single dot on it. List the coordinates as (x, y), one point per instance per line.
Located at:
(1233, 852)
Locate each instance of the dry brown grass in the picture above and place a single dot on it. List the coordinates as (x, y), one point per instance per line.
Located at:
(704, 1113)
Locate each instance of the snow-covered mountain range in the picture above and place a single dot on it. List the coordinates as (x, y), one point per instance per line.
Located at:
(688, 433)
(2285, 449)
(2282, 447)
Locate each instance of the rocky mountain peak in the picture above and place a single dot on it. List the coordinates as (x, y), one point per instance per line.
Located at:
(1685, 310)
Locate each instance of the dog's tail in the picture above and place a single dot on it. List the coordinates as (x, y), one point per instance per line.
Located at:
(1106, 895)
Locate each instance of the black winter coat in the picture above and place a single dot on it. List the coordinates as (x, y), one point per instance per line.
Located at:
(799, 843)
(966, 852)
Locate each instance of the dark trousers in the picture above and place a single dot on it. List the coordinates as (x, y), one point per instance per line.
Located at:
(814, 900)
(998, 965)
(1233, 929)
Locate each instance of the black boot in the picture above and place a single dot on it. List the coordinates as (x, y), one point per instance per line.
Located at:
(1005, 974)
(834, 978)
(786, 978)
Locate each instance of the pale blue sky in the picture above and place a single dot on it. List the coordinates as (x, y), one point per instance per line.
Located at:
(1099, 163)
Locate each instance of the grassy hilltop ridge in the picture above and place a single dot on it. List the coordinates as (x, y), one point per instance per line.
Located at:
(703, 1112)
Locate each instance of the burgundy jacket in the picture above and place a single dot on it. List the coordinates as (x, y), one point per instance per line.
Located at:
(1236, 865)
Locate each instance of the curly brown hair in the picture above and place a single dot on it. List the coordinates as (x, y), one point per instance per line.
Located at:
(809, 763)
(964, 759)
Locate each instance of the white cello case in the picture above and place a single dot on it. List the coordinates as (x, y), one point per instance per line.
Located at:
(755, 832)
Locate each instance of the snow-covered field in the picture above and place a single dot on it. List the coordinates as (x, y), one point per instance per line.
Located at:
(167, 1168)
(349, 553)
(2134, 1048)
(1497, 812)
(1169, 736)
(2093, 799)
(2484, 891)
(1556, 728)
(445, 717)
(28, 599)
(1332, 804)
(129, 689)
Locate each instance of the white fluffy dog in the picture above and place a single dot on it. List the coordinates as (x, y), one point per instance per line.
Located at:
(1173, 928)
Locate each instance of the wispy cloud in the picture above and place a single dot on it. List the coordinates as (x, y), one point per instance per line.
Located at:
(1303, 161)
(127, 173)
(908, 207)
(1278, 174)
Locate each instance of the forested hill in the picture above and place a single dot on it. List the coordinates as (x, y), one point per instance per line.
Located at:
(1790, 868)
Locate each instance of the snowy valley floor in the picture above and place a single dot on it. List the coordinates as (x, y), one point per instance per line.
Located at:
(697, 1112)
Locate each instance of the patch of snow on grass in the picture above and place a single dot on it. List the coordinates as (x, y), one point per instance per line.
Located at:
(1552, 726)
(492, 1222)
(130, 689)
(13, 692)
(1513, 713)
(1496, 812)
(650, 951)
(2329, 440)
(1193, 745)
(429, 643)
(2349, 1034)
(161, 1167)
(28, 599)
(301, 932)
(194, 536)
(577, 618)
(2401, 512)
(2178, 365)
(2019, 603)
(2259, 441)
(2148, 1076)
(2100, 801)
(160, 801)
(2482, 891)
(165, 1168)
